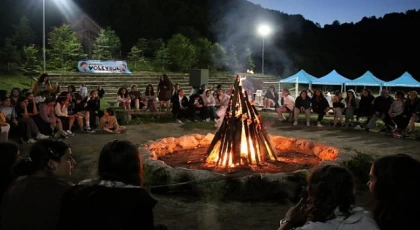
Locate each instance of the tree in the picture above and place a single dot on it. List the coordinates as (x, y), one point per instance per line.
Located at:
(218, 57)
(23, 35)
(141, 44)
(162, 57)
(204, 52)
(107, 45)
(135, 55)
(65, 47)
(31, 59)
(232, 59)
(153, 46)
(248, 59)
(181, 52)
(10, 52)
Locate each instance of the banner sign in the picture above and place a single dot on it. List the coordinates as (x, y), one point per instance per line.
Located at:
(98, 66)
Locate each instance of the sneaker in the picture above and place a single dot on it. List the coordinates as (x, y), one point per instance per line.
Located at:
(295, 123)
(208, 119)
(31, 141)
(308, 123)
(41, 136)
(179, 121)
(88, 130)
(358, 127)
(319, 125)
(396, 134)
(69, 133)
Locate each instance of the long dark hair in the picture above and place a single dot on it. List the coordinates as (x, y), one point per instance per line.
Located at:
(166, 81)
(146, 92)
(120, 161)
(329, 187)
(396, 191)
(120, 92)
(43, 151)
(42, 78)
(321, 95)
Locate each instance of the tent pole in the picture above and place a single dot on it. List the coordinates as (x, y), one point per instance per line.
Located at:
(297, 87)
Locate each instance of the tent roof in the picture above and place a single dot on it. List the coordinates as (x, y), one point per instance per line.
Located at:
(333, 78)
(367, 79)
(406, 80)
(302, 76)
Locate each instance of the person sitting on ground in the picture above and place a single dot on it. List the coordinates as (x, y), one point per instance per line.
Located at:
(116, 200)
(319, 105)
(80, 111)
(180, 106)
(51, 124)
(27, 124)
(92, 104)
(397, 120)
(365, 107)
(135, 96)
(33, 201)
(288, 104)
(410, 109)
(395, 182)
(339, 104)
(330, 203)
(149, 98)
(380, 108)
(195, 104)
(124, 99)
(210, 103)
(109, 123)
(62, 113)
(352, 105)
(271, 98)
(14, 96)
(4, 127)
(302, 105)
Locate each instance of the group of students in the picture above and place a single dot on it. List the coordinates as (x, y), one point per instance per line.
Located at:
(399, 114)
(46, 112)
(34, 194)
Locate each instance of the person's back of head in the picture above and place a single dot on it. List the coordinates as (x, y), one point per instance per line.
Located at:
(120, 161)
(329, 187)
(8, 158)
(51, 158)
(395, 184)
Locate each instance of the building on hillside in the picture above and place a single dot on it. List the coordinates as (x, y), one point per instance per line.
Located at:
(87, 31)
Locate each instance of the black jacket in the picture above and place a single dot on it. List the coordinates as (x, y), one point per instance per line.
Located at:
(176, 103)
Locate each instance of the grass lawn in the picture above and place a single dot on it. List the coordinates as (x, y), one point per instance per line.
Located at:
(8, 82)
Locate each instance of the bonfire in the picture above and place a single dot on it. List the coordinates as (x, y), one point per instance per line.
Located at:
(242, 139)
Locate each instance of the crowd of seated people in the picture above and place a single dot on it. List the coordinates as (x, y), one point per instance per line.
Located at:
(46, 111)
(399, 114)
(35, 194)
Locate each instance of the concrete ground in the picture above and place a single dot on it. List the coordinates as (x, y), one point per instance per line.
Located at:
(187, 212)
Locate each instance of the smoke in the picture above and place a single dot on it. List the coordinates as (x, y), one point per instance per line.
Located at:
(236, 24)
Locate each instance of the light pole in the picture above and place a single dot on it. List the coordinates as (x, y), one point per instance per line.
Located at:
(263, 30)
(43, 34)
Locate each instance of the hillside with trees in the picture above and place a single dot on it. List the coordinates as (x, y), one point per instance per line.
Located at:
(221, 34)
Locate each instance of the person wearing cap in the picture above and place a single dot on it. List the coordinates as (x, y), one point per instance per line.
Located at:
(288, 104)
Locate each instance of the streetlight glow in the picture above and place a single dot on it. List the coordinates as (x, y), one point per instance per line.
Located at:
(264, 30)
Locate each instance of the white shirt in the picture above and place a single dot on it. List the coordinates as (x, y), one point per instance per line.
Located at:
(289, 102)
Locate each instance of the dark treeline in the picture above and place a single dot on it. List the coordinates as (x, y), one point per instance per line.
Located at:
(387, 46)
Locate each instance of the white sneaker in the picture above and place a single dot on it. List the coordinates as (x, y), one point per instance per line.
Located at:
(69, 133)
(319, 125)
(31, 141)
(179, 121)
(295, 123)
(308, 123)
(208, 119)
(357, 127)
(41, 136)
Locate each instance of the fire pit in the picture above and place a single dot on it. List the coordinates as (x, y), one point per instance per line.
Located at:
(241, 152)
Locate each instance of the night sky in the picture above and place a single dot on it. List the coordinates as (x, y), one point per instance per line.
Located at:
(326, 11)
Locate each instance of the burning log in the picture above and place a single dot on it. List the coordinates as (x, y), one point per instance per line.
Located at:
(242, 139)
